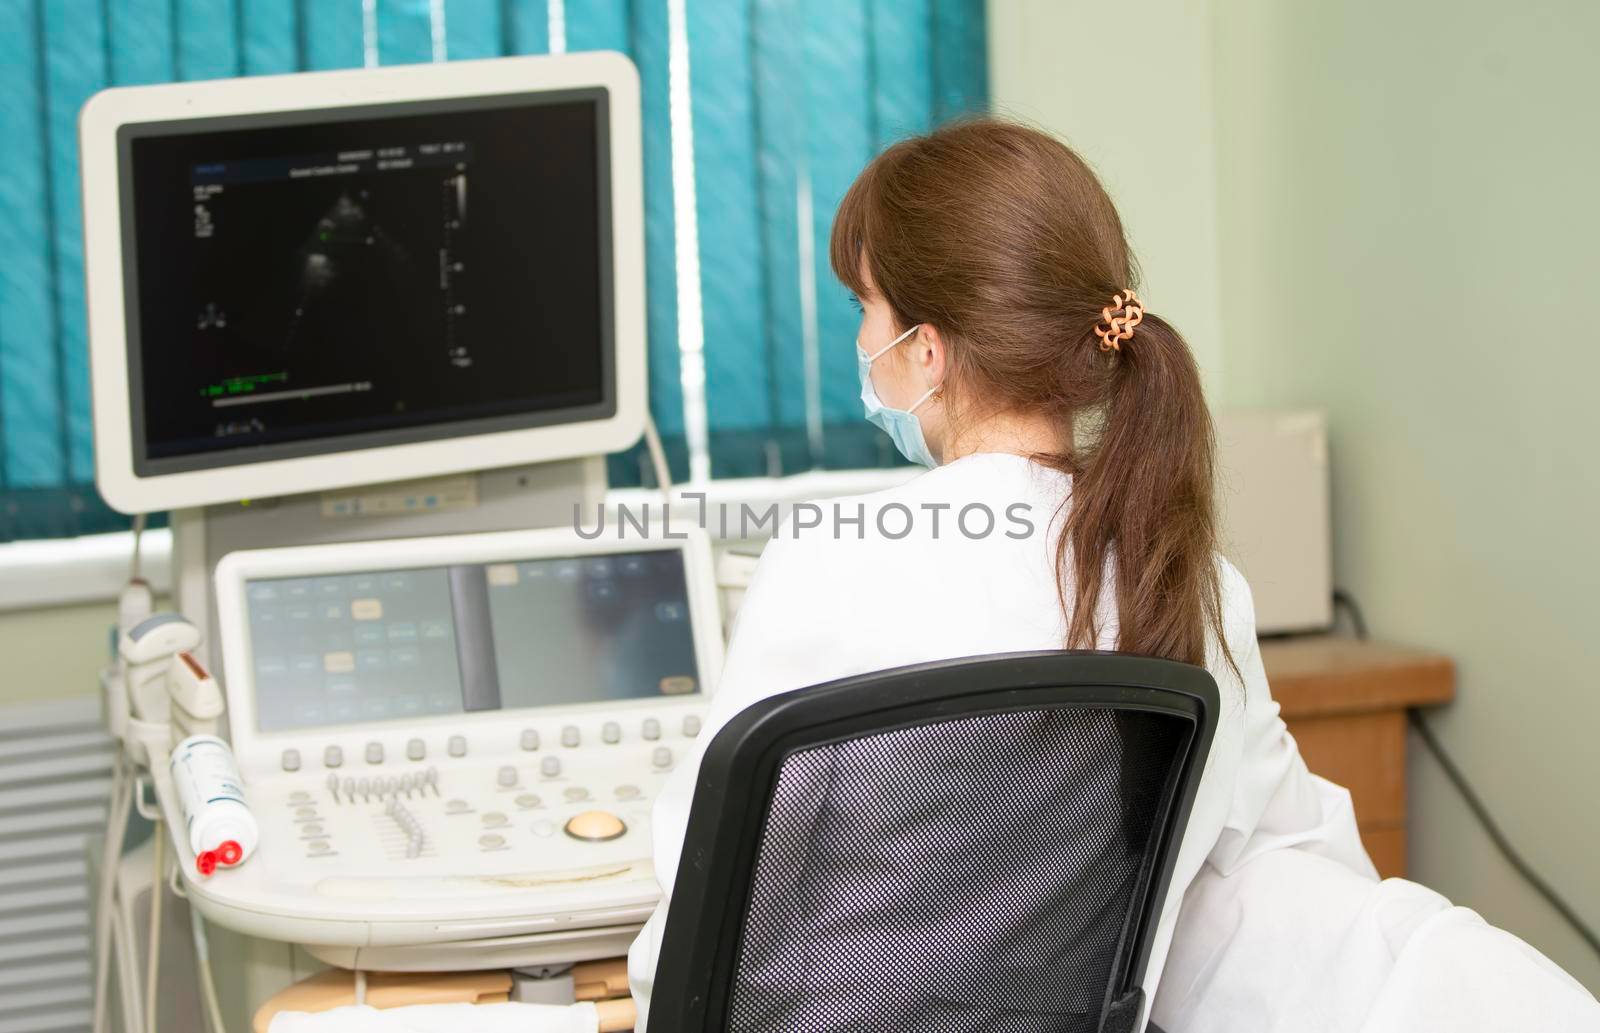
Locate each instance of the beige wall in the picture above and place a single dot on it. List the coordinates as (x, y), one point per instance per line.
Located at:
(1409, 209)
(54, 652)
(1065, 68)
(1404, 217)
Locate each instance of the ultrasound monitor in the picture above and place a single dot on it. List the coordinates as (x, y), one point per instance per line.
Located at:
(315, 281)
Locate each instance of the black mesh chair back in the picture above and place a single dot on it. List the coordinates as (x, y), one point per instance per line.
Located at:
(971, 845)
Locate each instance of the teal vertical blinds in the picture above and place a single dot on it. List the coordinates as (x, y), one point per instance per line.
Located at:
(789, 100)
(769, 107)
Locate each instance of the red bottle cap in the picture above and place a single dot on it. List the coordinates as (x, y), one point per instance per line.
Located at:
(230, 852)
(206, 862)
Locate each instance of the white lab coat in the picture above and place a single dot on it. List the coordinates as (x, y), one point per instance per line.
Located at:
(824, 606)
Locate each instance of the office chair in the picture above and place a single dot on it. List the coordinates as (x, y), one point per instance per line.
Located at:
(969, 845)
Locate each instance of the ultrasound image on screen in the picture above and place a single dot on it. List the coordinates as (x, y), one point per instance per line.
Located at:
(589, 629)
(367, 280)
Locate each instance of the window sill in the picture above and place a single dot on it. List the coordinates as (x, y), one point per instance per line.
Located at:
(93, 568)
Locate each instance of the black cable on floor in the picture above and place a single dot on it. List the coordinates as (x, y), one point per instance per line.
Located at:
(1344, 600)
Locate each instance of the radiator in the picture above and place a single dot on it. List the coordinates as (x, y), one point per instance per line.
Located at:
(55, 778)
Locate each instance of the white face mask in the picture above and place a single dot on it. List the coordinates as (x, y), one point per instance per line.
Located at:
(902, 425)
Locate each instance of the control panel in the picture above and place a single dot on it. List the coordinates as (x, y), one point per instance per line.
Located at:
(517, 802)
(564, 787)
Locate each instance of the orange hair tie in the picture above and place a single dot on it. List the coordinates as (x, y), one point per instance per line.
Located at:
(1121, 317)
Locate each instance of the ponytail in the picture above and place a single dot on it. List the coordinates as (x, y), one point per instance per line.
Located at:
(1142, 503)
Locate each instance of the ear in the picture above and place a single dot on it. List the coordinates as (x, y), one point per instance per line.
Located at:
(930, 354)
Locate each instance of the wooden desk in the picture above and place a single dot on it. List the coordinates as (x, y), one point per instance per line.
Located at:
(1345, 702)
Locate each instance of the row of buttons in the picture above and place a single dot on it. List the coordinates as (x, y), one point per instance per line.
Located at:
(309, 824)
(531, 801)
(456, 746)
(383, 786)
(550, 767)
(349, 788)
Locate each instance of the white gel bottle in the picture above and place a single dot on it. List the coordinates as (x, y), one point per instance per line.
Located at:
(221, 828)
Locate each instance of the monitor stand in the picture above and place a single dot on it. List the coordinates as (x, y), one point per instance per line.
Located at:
(516, 498)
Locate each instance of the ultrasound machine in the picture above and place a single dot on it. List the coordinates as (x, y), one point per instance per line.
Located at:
(368, 335)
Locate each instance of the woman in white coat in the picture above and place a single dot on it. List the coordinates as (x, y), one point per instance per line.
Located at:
(1069, 504)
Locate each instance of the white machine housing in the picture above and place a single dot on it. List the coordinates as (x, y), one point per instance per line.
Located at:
(1274, 510)
(498, 883)
(107, 113)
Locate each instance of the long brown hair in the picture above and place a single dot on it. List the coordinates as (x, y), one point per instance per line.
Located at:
(1002, 238)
